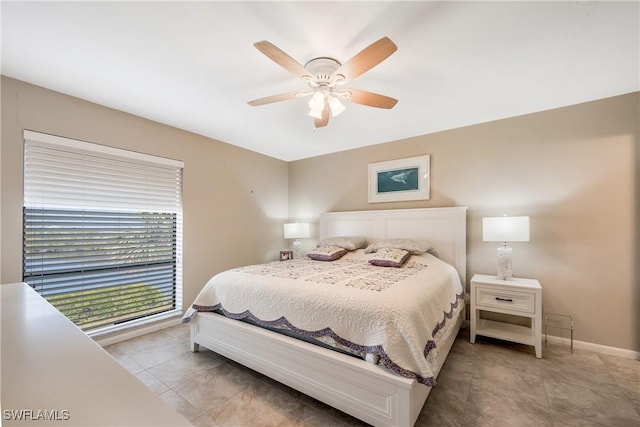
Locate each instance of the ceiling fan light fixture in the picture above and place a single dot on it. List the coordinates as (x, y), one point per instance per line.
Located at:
(316, 103)
(316, 114)
(336, 106)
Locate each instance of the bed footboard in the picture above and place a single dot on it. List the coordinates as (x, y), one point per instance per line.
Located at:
(366, 391)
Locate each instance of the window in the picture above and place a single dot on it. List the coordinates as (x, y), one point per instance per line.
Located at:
(102, 232)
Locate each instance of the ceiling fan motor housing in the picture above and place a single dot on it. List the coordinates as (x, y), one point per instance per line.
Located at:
(322, 69)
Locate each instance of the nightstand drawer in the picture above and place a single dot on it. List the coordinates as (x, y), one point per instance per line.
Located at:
(507, 300)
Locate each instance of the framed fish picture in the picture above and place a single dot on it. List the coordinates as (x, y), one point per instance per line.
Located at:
(400, 180)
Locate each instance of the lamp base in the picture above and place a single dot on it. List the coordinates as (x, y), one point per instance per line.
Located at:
(296, 249)
(504, 263)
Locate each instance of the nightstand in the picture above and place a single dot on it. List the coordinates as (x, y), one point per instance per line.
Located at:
(517, 297)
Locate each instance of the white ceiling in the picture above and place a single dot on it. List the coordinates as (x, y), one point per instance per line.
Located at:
(192, 65)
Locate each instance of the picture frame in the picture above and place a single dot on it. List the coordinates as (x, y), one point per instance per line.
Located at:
(286, 255)
(400, 180)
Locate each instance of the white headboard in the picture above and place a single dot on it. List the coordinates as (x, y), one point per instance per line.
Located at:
(445, 228)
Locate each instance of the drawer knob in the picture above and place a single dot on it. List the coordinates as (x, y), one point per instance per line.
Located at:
(504, 299)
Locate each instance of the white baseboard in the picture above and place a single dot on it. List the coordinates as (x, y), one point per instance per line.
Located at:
(133, 333)
(597, 348)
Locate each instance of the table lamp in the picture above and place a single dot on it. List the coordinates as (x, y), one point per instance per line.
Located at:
(505, 229)
(297, 231)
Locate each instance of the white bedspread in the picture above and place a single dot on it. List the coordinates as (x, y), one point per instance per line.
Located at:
(395, 313)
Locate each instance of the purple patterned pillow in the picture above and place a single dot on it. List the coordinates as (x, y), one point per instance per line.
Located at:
(390, 257)
(327, 253)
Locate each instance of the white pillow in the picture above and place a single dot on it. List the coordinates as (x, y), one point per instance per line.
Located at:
(414, 246)
(350, 243)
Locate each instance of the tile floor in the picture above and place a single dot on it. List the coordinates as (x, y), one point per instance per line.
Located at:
(490, 383)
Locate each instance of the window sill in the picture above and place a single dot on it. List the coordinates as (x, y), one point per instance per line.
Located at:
(116, 333)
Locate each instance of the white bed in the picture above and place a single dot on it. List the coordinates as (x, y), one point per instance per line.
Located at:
(367, 391)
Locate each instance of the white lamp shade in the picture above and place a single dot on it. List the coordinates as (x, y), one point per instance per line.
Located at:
(505, 229)
(297, 230)
(336, 106)
(316, 103)
(316, 114)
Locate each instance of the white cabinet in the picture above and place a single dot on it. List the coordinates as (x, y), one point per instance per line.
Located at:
(517, 297)
(56, 375)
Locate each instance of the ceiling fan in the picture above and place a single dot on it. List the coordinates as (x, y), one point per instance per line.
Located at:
(325, 78)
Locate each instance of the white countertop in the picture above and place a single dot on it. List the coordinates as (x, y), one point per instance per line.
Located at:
(49, 364)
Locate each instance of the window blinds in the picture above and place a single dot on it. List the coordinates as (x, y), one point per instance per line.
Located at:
(102, 230)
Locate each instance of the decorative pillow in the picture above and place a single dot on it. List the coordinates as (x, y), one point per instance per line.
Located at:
(390, 257)
(350, 243)
(414, 246)
(327, 253)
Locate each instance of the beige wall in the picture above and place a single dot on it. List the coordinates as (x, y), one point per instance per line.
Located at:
(234, 200)
(573, 170)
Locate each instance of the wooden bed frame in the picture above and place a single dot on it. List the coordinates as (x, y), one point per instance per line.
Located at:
(366, 391)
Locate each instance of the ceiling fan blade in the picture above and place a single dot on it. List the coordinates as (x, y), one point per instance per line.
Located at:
(281, 58)
(277, 98)
(368, 58)
(370, 99)
(325, 117)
